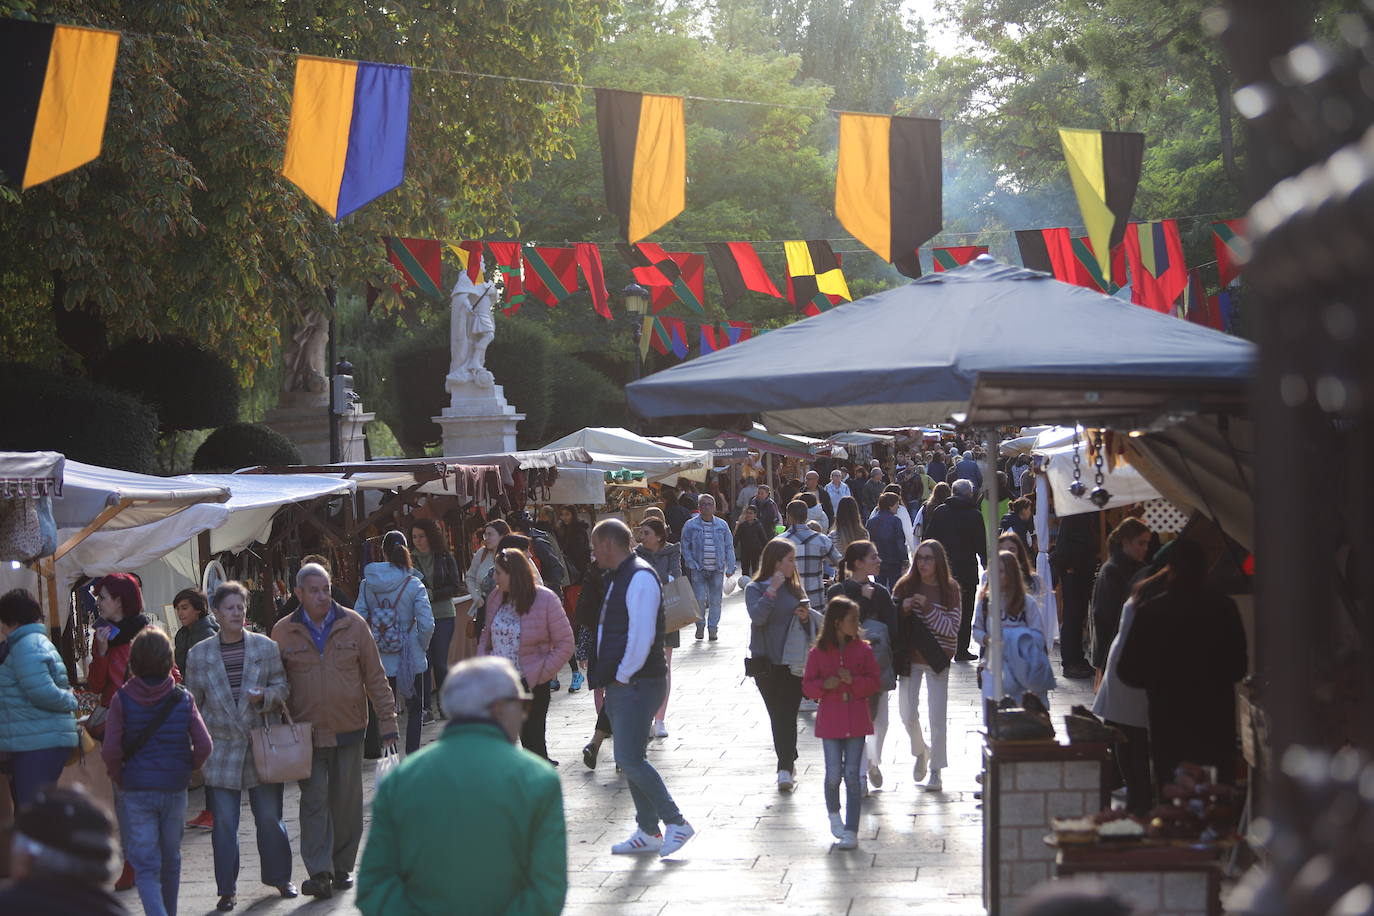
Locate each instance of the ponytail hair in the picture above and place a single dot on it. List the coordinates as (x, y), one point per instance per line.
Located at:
(853, 553)
(395, 549)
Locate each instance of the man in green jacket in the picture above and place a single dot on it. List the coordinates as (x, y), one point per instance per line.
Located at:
(470, 823)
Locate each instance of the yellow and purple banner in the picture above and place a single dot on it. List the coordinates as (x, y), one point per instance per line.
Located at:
(347, 142)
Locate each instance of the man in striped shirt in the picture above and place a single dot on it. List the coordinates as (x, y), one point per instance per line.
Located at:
(813, 549)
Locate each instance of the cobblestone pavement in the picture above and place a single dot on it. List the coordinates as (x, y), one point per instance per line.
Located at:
(756, 851)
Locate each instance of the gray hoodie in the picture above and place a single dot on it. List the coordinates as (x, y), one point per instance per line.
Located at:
(769, 617)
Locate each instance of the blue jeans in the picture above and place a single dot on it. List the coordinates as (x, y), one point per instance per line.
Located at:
(842, 756)
(274, 849)
(630, 708)
(32, 770)
(708, 586)
(150, 827)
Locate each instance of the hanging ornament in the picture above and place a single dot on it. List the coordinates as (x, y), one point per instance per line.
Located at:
(1099, 496)
(1078, 487)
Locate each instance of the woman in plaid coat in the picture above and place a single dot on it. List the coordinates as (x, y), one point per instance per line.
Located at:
(237, 676)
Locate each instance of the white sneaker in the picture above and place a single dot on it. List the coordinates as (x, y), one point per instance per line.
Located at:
(933, 784)
(639, 842)
(918, 772)
(875, 776)
(786, 781)
(836, 825)
(660, 729)
(675, 836)
(850, 840)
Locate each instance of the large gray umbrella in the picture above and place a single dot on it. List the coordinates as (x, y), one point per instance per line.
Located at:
(914, 354)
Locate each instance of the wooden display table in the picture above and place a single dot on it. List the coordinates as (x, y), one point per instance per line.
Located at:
(1155, 878)
(1026, 784)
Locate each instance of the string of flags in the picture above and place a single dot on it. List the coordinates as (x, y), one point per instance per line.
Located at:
(347, 145)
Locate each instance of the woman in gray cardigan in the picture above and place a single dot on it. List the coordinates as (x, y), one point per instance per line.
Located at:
(774, 599)
(234, 677)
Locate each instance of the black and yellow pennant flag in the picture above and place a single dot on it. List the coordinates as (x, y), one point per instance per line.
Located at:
(887, 185)
(643, 158)
(1104, 166)
(56, 81)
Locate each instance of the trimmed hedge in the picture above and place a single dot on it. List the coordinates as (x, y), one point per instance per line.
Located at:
(582, 396)
(79, 418)
(520, 358)
(189, 386)
(244, 445)
(416, 392)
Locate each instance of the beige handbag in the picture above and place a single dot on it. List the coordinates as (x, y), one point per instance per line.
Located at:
(282, 753)
(680, 607)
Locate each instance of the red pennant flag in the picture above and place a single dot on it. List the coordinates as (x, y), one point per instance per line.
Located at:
(1158, 272)
(689, 287)
(676, 330)
(737, 331)
(589, 262)
(709, 343)
(950, 258)
(1225, 235)
(420, 262)
(550, 273)
(738, 269)
(506, 256)
(474, 260)
(718, 338)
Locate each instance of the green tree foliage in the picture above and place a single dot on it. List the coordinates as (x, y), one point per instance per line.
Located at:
(243, 445)
(82, 420)
(185, 225)
(416, 385)
(582, 397)
(520, 358)
(189, 386)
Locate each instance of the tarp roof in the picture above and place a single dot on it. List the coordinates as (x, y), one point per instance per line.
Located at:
(255, 498)
(918, 350)
(759, 438)
(613, 448)
(30, 474)
(88, 490)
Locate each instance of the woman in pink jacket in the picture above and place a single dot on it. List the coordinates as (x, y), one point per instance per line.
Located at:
(527, 626)
(842, 672)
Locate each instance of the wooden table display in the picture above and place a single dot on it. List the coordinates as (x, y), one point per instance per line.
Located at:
(1155, 877)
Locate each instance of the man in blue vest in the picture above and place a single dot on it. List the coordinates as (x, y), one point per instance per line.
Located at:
(626, 658)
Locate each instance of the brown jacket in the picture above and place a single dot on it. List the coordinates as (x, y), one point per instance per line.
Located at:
(330, 690)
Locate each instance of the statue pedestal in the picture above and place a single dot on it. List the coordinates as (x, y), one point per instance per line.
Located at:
(307, 426)
(478, 421)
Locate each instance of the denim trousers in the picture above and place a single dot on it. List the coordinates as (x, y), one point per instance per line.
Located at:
(30, 771)
(631, 707)
(438, 659)
(150, 826)
(842, 757)
(274, 848)
(709, 587)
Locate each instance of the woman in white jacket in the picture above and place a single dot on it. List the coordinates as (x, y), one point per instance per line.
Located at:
(393, 600)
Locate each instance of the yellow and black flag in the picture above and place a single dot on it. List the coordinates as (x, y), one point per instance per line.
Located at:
(643, 158)
(815, 282)
(57, 82)
(887, 185)
(1104, 166)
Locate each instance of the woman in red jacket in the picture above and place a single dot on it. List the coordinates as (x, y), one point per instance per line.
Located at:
(842, 672)
(119, 602)
(526, 625)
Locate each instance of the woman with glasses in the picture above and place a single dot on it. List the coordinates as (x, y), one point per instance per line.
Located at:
(527, 626)
(927, 595)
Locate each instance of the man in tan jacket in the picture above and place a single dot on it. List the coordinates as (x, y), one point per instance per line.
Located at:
(333, 667)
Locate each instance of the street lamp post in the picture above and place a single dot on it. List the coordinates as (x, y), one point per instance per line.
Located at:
(636, 307)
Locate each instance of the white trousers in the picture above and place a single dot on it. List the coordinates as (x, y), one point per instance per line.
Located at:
(937, 705)
(873, 744)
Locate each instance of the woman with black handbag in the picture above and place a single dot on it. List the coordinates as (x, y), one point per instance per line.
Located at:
(774, 599)
(234, 677)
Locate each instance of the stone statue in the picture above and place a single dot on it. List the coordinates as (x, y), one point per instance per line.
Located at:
(471, 331)
(306, 373)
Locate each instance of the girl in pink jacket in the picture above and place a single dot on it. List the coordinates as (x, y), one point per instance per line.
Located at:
(842, 672)
(526, 625)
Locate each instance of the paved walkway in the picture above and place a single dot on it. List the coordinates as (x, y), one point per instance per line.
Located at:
(756, 851)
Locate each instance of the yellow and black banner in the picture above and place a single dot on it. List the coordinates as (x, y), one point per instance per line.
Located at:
(1104, 166)
(643, 158)
(57, 82)
(887, 185)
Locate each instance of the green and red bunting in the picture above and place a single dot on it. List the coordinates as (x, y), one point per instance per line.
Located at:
(1088, 272)
(1226, 237)
(739, 269)
(506, 257)
(469, 255)
(715, 338)
(668, 275)
(420, 262)
(950, 258)
(589, 262)
(550, 273)
(666, 335)
(1158, 274)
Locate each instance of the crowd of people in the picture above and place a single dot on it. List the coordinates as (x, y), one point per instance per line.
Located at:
(867, 585)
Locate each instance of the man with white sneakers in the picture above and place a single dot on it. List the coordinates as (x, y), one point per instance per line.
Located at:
(626, 658)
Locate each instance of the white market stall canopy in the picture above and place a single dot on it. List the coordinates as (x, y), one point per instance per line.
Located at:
(123, 499)
(579, 485)
(612, 448)
(255, 498)
(30, 474)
